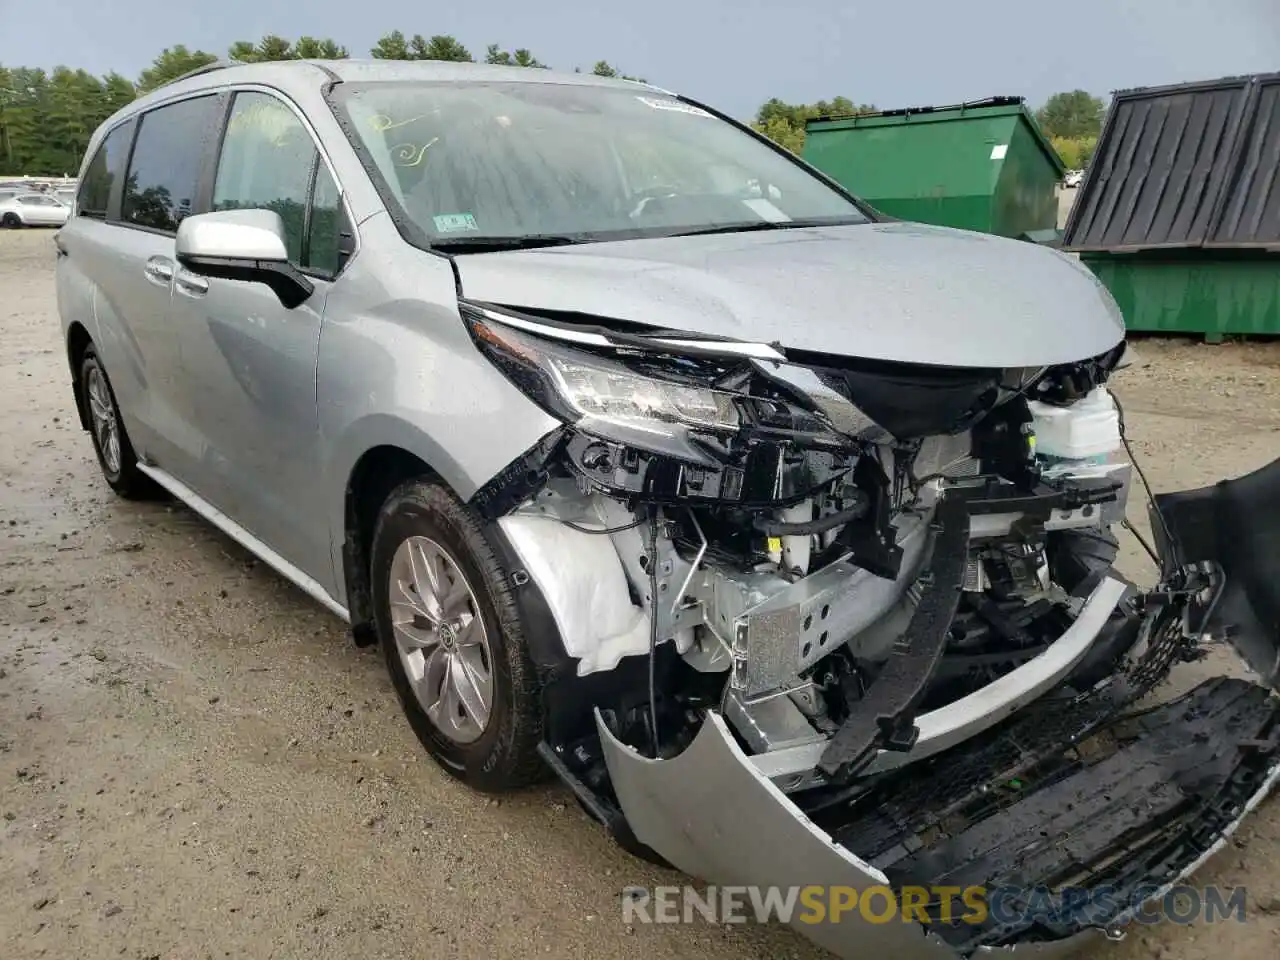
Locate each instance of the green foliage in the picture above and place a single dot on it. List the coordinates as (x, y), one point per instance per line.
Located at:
(1071, 115)
(439, 47)
(172, 63)
(783, 133)
(46, 120)
(391, 46)
(520, 58)
(783, 123)
(272, 47)
(603, 69)
(309, 48)
(1076, 152)
(394, 46)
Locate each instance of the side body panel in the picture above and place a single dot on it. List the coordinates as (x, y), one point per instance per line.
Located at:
(249, 361)
(120, 272)
(250, 394)
(397, 368)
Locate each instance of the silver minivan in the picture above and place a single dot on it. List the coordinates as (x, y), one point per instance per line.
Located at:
(650, 457)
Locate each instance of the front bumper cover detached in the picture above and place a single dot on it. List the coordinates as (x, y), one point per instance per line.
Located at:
(1075, 792)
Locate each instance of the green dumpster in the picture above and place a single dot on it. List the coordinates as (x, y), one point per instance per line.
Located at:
(1179, 214)
(979, 166)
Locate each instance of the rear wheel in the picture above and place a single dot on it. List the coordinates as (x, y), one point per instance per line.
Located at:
(110, 441)
(10, 221)
(453, 641)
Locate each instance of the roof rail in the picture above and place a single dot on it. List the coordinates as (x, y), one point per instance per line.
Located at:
(207, 68)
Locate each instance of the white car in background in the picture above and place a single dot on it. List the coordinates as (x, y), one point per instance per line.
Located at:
(1073, 178)
(33, 210)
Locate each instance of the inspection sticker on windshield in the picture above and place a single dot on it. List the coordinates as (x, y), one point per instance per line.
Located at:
(453, 222)
(675, 105)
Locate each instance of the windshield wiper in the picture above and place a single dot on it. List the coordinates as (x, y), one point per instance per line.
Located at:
(754, 225)
(529, 242)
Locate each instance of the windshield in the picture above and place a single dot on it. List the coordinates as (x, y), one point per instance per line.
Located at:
(534, 161)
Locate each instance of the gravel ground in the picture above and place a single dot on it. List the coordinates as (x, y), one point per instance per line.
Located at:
(195, 762)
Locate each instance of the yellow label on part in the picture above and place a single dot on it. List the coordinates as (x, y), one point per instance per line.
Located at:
(775, 544)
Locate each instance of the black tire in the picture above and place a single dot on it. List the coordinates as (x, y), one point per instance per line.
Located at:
(504, 756)
(124, 478)
(1079, 559)
(11, 221)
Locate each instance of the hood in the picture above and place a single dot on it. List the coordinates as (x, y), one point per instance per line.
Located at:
(881, 291)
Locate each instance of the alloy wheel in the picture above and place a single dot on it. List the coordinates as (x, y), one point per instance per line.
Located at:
(441, 638)
(106, 428)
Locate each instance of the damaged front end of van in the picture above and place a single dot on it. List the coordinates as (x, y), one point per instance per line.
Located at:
(802, 619)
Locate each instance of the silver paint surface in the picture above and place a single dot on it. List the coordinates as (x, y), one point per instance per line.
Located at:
(890, 291)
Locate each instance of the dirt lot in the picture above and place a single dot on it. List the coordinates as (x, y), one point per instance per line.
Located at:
(194, 762)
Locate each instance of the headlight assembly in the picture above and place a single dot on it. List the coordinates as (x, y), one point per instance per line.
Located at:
(643, 406)
(607, 392)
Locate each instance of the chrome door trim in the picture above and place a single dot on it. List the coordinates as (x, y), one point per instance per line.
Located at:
(190, 284)
(159, 270)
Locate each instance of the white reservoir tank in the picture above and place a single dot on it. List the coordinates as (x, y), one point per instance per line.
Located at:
(1088, 431)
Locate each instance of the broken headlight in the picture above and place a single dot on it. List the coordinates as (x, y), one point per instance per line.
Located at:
(606, 392)
(676, 413)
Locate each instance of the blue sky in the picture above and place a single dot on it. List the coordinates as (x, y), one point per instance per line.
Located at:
(732, 53)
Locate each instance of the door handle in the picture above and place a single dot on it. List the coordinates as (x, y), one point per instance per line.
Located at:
(159, 270)
(190, 284)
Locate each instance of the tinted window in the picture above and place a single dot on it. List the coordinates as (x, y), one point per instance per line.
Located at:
(266, 162)
(103, 170)
(326, 220)
(160, 188)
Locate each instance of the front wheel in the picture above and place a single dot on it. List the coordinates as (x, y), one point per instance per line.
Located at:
(10, 221)
(452, 639)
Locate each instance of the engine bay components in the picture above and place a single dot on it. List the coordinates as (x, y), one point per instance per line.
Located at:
(828, 580)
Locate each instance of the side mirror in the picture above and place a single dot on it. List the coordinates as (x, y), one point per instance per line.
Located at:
(246, 245)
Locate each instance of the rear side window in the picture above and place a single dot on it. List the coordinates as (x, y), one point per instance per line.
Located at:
(164, 171)
(106, 167)
(266, 163)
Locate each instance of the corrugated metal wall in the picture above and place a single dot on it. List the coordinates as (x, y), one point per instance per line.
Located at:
(1251, 215)
(1191, 165)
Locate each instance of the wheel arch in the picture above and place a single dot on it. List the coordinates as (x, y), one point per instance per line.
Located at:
(78, 343)
(371, 479)
(377, 471)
